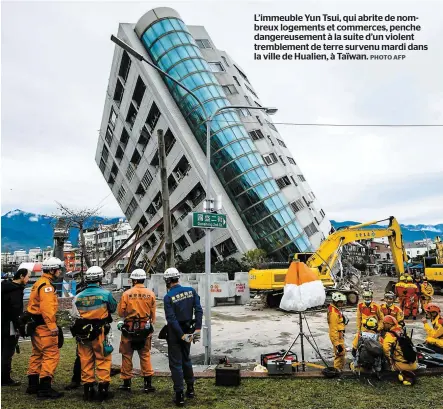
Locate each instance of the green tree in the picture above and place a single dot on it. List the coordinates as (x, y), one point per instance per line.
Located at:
(194, 264)
(229, 265)
(253, 258)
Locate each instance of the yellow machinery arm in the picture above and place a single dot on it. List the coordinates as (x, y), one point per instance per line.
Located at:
(326, 255)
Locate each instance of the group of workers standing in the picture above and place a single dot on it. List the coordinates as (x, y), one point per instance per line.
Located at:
(382, 328)
(92, 309)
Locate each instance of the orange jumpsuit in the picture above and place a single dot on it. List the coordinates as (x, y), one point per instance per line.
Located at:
(94, 303)
(394, 354)
(435, 332)
(136, 303)
(45, 353)
(411, 300)
(427, 291)
(336, 334)
(364, 312)
(400, 293)
(393, 311)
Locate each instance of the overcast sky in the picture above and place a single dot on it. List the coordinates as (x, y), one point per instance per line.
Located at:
(55, 67)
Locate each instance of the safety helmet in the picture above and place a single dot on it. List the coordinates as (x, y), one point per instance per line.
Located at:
(94, 273)
(433, 307)
(402, 278)
(171, 273)
(336, 297)
(389, 319)
(52, 264)
(409, 279)
(389, 296)
(371, 323)
(425, 278)
(138, 274)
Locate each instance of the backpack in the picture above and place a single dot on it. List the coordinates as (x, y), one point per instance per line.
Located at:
(406, 346)
(369, 350)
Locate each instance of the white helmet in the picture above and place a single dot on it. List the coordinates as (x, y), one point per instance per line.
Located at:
(336, 297)
(52, 264)
(138, 274)
(94, 273)
(171, 273)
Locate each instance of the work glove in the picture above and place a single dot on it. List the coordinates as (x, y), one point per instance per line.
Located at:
(339, 349)
(120, 325)
(187, 338)
(196, 336)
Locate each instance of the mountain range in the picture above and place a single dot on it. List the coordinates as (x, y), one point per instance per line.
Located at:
(23, 230)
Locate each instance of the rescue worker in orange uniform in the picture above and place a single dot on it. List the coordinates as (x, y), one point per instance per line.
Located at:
(138, 307)
(389, 308)
(434, 329)
(411, 299)
(337, 323)
(367, 309)
(400, 291)
(92, 308)
(392, 350)
(43, 305)
(427, 291)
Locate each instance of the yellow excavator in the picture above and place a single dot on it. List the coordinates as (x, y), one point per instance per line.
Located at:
(268, 280)
(433, 267)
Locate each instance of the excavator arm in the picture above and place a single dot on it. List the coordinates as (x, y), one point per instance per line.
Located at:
(326, 255)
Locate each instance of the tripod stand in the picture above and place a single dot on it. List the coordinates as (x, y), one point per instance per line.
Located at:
(303, 336)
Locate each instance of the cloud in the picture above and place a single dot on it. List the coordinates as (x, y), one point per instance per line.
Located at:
(13, 213)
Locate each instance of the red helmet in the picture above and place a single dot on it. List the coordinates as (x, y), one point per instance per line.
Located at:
(432, 307)
(389, 319)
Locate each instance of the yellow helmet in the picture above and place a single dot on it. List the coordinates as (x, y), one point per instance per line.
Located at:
(371, 323)
(402, 278)
(409, 279)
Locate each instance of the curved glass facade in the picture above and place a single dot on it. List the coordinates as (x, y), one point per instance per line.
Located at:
(239, 166)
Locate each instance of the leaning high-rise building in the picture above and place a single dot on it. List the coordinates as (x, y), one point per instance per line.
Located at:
(268, 202)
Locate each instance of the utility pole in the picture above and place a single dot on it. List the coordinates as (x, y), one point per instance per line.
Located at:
(97, 253)
(169, 249)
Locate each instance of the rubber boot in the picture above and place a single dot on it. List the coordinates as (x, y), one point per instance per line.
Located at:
(103, 391)
(190, 393)
(148, 385)
(33, 383)
(45, 390)
(89, 391)
(179, 399)
(10, 382)
(126, 385)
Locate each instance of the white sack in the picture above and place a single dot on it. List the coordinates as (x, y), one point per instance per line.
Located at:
(302, 297)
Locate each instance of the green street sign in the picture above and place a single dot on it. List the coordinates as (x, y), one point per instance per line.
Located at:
(208, 220)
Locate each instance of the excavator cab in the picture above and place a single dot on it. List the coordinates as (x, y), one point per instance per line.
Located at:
(303, 257)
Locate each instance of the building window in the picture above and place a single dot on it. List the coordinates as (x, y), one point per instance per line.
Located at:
(196, 234)
(283, 182)
(302, 178)
(259, 120)
(236, 80)
(242, 74)
(136, 157)
(310, 229)
(125, 65)
(130, 172)
(132, 116)
(144, 138)
(247, 100)
(322, 213)
(119, 154)
(227, 248)
(143, 222)
(291, 161)
(105, 154)
(139, 91)
(118, 93)
(146, 180)
(251, 91)
(216, 67)
(225, 61)
(256, 134)
(281, 160)
(112, 118)
(307, 203)
(114, 170)
(108, 136)
(169, 141)
(229, 89)
(140, 191)
(182, 243)
(203, 43)
(102, 165)
(244, 112)
(153, 116)
(131, 208)
(271, 125)
(281, 143)
(293, 181)
(121, 194)
(124, 138)
(270, 159)
(297, 205)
